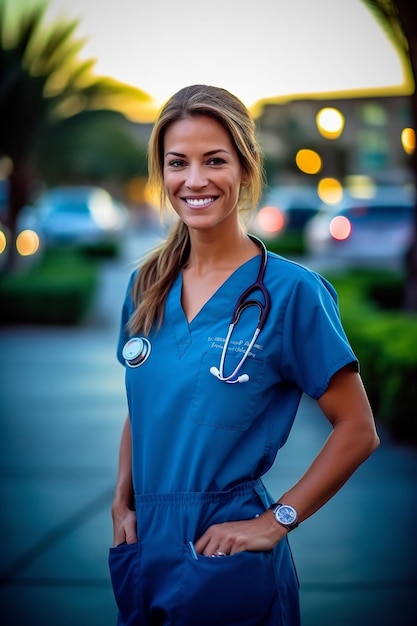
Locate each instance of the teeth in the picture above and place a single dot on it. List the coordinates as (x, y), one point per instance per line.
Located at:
(199, 201)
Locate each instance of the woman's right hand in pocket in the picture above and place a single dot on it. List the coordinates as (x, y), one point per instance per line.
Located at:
(124, 526)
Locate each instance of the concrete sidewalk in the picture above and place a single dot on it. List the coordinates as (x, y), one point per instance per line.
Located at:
(62, 406)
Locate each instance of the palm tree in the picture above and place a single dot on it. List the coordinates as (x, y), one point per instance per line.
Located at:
(399, 18)
(42, 82)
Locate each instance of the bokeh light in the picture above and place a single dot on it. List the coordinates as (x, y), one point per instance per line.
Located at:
(3, 242)
(330, 122)
(340, 228)
(6, 167)
(330, 190)
(270, 219)
(408, 140)
(308, 161)
(361, 186)
(27, 243)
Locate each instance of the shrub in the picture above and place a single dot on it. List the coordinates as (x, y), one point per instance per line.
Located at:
(385, 341)
(290, 243)
(59, 290)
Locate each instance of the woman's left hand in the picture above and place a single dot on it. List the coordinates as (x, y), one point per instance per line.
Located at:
(257, 534)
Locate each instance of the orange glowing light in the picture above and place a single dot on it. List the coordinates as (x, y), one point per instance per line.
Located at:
(408, 140)
(340, 228)
(330, 190)
(271, 219)
(27, 243)
(3, 242)
(308, 161)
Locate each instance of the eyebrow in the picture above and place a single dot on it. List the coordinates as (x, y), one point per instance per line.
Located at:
(206, 154)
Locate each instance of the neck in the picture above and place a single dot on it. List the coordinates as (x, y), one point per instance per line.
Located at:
(210, 253)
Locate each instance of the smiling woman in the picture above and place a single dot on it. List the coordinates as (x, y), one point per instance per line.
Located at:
(226, 329)
(307, 31)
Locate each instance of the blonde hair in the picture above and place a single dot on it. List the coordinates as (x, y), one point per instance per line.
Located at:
(157, 274)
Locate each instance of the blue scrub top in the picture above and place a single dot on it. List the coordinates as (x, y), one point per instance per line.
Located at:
(193, 432)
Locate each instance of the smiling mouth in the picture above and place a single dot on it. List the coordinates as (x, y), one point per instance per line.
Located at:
(200, 202)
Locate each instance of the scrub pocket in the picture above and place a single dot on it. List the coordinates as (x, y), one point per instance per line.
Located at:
(237, 590)
(124, 565)
(223, 405)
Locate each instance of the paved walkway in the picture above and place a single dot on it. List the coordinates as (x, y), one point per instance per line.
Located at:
(62, 406)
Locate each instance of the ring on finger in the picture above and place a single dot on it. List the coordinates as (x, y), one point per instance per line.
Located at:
(220, 553)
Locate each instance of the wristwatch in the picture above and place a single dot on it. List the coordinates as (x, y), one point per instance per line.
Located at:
(285, 515)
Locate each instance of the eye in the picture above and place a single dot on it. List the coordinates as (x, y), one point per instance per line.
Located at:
(216, 161)
(176, 163)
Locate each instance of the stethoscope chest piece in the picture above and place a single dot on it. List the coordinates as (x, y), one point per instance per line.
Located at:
(136, 351)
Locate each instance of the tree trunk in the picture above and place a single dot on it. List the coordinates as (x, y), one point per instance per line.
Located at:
(407, 15)
(20, 184)
(410, 295)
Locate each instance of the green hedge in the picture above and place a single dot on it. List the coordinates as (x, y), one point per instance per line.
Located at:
(385, 341)
(59, 290)
(289, 243)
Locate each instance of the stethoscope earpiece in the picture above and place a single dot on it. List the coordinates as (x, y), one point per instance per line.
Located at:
(243, 378)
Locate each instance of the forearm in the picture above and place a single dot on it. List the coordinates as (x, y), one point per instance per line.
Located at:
(123, 514)
(124, 489)
(344, 451)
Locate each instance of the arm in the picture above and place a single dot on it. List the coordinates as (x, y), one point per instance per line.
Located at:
(124, 517)
(352, 440)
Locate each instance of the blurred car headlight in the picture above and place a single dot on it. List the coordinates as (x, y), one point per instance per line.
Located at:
(103, 212)
(340, 228)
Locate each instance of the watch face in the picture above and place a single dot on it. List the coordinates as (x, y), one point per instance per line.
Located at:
(286, 514)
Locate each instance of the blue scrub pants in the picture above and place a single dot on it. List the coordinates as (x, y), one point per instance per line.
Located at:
(160, 581)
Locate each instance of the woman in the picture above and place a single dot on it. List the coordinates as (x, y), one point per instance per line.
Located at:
(209, 410)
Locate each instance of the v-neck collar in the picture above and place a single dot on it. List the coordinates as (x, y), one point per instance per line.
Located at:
(229, 290)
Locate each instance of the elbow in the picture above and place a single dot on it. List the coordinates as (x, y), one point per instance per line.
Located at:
(370, 441)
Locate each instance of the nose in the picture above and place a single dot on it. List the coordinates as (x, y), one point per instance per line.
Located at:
(196, 177)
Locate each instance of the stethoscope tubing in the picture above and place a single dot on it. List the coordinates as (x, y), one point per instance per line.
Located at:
(241, 304)
(229, 379)
(137, 350)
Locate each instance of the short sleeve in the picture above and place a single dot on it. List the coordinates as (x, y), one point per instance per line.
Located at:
(315, 345)
(127, 310)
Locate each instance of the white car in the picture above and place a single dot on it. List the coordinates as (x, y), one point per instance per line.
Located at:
(361, 230)
(76, 215)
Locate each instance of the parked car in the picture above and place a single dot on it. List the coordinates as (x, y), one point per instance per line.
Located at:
(86, 216)
(360, 230)
(286, 209)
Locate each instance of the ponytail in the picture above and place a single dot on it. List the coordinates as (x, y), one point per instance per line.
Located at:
(155, 279)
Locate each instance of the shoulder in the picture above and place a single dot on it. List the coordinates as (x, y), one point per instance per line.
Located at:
(293, 275)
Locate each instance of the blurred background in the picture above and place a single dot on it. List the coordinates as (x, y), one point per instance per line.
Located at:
(331, 85)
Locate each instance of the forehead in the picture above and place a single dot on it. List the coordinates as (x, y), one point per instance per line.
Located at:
(197, 131)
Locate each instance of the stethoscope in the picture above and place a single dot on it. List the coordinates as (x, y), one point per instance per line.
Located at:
(137, 350)
(242, 304)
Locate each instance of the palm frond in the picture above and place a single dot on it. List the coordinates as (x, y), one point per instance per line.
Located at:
(52, 49)
(386, 13)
